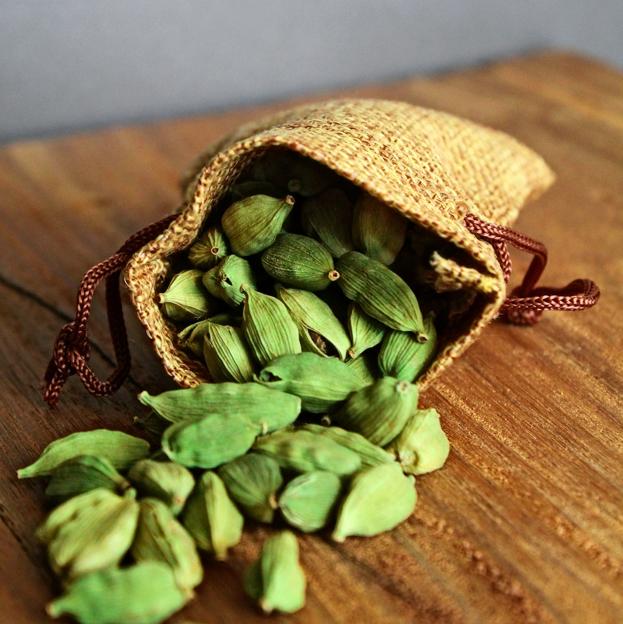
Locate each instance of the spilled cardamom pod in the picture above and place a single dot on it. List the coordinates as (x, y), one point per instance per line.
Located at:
(225, 354)
(191, 337)
(365, 332)
(185, 299)
(365, 367)
(208, 249)
(227, 278)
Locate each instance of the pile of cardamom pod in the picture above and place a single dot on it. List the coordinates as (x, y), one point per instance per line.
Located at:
(294, 298)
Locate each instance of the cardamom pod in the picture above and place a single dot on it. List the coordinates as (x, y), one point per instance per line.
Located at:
(403, 357)
(268, 328)
(252, 224)
(422, 446)
(300, 261)
(320, 382)
(211, 517)
(185, 299)
(381, 293)
(329, 218)
(191, 337)
(365, 332)
(119, 448)
(304, 451)
(252, 481)
(319, 329)
(227, 278)
(208, 249)
(253, 187)
(378, 230)
(378, 499)
(83, 473)
(365, 367)
(209, 441)
(160, 537)
(379, 411)
(145, 593)
(308, 500)
(276, 580)
(167, 481)
(269, 409)
(225, 354)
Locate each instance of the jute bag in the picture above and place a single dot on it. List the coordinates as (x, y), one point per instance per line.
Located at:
(460, 180)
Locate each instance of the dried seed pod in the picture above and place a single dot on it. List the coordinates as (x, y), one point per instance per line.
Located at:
(185, 299)
(226, 355)
(320, 382)
(300, 261)
(365, 367)
(208, 249)
(252, 481)
(380, 411)
(378, 500)
(252, 224)
(211, 518)
(191, 337)
(365, 332)
(226, 280)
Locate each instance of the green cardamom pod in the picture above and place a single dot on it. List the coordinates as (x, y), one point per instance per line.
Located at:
(253, 187)
(365, 366)
(329, 218)
(211, 517)
(276, 580)
(403, 357)
(208, 249)
(378, 230)
(227, 278)
(145, 593)
(160, 537)
(365, 332)
(252, 224)
(191, 337)
(119, 448)
(319, 329)
(378, 499)
(167, 481)
(252, 481)
(185, 299)
(308, 500)
(83, 473)
(380, 411)
(89, 533)
(300, 261)
(268, 328)
(209, 441)
(320, 382)
(370, 454)
(381, 293)
(270, 409)
(422, 446)
(304, 451)
(226, 355)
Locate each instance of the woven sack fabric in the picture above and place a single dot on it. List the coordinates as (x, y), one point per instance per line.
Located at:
(432, 167)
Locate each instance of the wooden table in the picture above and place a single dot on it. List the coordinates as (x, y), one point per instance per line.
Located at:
(525, 522)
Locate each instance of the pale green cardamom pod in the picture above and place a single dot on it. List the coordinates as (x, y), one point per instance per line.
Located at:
(329, 218)
(208, 249)
(119, 448)
(365, 332)
(253, 187)
(308, 500)
(209, 441)
(211, 517)
(403, 357)
(268, 328)
(252, 481)
(320, 382)
(378, 230)
(319, 329)
(160, 537)
(365, 366)
(145, 593)
(378, 499)
(300, 261)
(252, 224)
(380, 411)
(167, 481)
(226, 280)
(422, 446)
(304, 451)
(276, 580)
(226, 355)
(191, 337)
(83, 473)
(185, 299)
(381, 293)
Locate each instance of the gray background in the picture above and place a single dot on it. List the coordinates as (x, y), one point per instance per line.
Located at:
(76, 64)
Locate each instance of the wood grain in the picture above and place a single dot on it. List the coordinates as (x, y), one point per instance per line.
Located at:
(525, 522)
